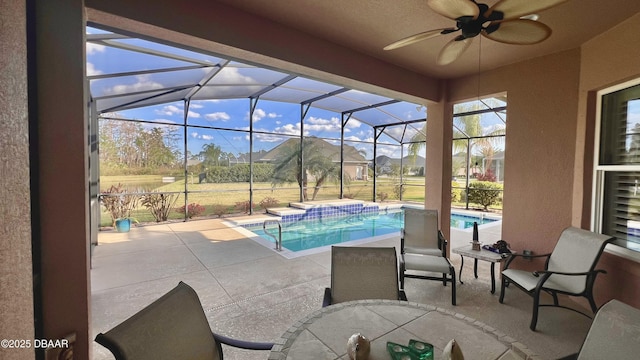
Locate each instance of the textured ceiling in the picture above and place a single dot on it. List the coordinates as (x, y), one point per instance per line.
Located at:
(368, 25)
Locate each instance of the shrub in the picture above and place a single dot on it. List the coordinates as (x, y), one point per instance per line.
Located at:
(159, 204)
(487, 176)
(118, 203)
(485, 193)
(268, 202)
(456, 192)
(193, 209)
(398, 190)
(382, 196)
(243, 206)
(219, 209)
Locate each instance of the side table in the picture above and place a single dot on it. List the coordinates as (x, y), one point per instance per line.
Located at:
(482, 254)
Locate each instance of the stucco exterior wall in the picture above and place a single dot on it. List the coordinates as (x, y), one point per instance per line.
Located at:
(542, 100)
(16, 292)
(610, 58)
(63, 177)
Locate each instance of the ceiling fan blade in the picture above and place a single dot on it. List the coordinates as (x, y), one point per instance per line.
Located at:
(417, 37)
(514, 9)
(452, 50)
(519, 32)
(454, 9)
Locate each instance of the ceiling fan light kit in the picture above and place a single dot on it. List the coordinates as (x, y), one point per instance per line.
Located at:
(508, 21)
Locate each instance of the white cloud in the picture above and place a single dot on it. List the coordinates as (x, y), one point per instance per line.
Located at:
(196, 106)
(353, 123)
(323, 125)
(230, 75)
(289, 129)
(143, 83)
(91, 69)
(222, 116)
(269, 138)
(197, 135)
(165, 121)
(352, 138)
(273, 115)
(93, 48)
(259, 114)
(193, 114)
(169, 110)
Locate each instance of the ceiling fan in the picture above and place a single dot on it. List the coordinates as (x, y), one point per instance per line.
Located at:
(508, 21)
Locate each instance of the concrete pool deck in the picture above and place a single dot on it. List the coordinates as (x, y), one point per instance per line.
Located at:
(249, 291)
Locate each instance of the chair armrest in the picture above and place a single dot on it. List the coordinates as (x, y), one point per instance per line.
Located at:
(402, 295)
(402, 241)
(442, 243)
(326, 300)
(249, 345)
(537, 273)
(512, 256)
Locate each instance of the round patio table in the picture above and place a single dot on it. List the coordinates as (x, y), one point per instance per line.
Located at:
(324, 333)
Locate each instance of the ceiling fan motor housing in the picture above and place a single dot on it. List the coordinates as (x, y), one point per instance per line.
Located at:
(472, 27)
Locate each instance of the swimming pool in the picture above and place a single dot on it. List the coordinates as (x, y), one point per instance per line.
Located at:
(309, 234)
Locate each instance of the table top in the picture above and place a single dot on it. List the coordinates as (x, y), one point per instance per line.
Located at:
(324, 333)
(482, 254)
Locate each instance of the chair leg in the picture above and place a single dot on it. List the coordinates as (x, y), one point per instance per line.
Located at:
(555, 298)
(534, 316)
(402, 275)
(453, 285)
(592, 302)
(502, 288)
(444, 279)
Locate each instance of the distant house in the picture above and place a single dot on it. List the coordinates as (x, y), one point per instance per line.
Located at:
(355, 164)
(414, 163)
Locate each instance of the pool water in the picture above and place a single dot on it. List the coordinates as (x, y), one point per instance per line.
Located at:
(309, 234)
(466, 221)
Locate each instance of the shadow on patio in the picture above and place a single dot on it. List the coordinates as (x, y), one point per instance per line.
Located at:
(250, 292)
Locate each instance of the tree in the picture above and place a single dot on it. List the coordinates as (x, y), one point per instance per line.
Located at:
(210, 155)
(317, 163)
(469, 134)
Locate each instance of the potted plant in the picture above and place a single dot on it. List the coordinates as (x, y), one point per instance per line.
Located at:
(119, 204)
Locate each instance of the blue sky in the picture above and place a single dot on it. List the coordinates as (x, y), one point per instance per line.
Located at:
(279, 119)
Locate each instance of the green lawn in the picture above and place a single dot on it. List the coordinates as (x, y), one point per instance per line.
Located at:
(224, 196)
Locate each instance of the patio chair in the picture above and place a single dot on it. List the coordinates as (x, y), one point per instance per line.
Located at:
(359, 273)
(421, 233)
(172, 327)
(568, 270)
(614, 334)
(423, 248)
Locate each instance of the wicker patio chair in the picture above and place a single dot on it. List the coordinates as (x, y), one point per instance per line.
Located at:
(172, 327)
(423, 250)
(359, 273)
(569, 270)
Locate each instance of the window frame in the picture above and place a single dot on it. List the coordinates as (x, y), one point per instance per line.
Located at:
(600, 171)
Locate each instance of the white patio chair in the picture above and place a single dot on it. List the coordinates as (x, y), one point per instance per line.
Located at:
(568, 270)
(359, 273)
(424, 249)
(172, 327)
(614, 334)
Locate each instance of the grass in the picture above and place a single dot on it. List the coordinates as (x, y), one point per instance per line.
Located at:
(225, 196)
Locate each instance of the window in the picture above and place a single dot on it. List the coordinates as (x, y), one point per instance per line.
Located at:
(617, 171)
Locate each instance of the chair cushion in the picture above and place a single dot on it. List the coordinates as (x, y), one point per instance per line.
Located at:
(528, 281)
(422, 251)
(438, 264)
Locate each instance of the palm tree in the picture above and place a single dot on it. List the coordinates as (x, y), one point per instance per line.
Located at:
(317, 163)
